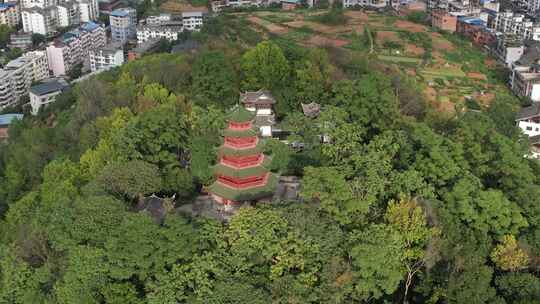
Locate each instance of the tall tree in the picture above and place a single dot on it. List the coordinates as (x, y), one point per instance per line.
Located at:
(214, 80)
(264, 67)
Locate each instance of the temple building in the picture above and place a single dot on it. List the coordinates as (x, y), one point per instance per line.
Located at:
(241, 172)
(261, 103)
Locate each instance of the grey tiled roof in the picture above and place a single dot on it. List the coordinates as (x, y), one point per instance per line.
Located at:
(531, 55)
(528, 112)
(48, 87)
(260, 96)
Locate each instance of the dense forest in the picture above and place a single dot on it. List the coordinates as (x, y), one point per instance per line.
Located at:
(405, 205)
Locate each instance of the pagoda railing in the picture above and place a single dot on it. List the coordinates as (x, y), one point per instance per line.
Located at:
(244, 164)
(245, 185)
(239, 126)
(234, 144)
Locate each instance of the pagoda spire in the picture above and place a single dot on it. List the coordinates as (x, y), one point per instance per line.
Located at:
(241, 172)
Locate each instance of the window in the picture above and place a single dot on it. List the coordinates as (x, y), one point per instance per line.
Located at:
(529, 128)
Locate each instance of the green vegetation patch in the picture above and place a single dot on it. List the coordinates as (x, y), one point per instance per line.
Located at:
(400, 59)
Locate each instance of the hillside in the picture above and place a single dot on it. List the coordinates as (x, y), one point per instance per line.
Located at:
(412, 199)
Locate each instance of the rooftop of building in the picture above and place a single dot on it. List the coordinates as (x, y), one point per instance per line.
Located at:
(531, 55)
(528, 112)
(163, 27)
(16, 63)
(185, 46)
(145, 46)
(7, 5)
(7, 119)
(311, 109)
(122, 12)
(261, 96)
(49, 87)
(89, 26)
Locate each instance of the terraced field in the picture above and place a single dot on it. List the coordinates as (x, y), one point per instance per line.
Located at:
(447, 68)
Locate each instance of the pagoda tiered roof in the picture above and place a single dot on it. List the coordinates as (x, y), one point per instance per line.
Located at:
(245, 194)
(257, 97)
(253, 131)
(223, 169)
(225, 150)
(240, 114)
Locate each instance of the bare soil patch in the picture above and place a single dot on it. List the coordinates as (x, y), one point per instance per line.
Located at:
(485, 99)
(317, 27)
(409, 26)
(357, 15)
(414, 50)
(477, 76)
(490, 62)
(387, 36)
(271, 27)
(319, 40)
(442, 45)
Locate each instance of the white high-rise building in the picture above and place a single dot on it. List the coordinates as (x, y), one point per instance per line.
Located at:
(123, 24)
(38, 3)
(149, 32)
(17, 76)
(39, 64)
(40, 20)
(109, 56)
(88, 10)
(68, 13)
(72, 48)
(9, 13)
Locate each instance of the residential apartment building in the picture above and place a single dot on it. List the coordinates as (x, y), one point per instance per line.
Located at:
(39, 64)
(106, 57)
(88, 10)
(42, 95)
(528, 119)
(73, 47)
(193, 20)
(38, 3)
(525, 73)
(370, 3)
(510, 23)
(9, 13)
(508, 49)
(123, 24)
(475, 29)
(158, 20)
(219, 5)
(39, 20)
(68, 13)
(16, 77)
(443, 20)
(20, 40)
(149, 32)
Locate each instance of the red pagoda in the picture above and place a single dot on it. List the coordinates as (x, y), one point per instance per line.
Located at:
(241, 172)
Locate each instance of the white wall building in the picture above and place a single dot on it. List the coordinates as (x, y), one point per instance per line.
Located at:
(146, 32)
(17, 76)
(123, 24)
(106, 57)
(44, 94)
(9, 13)
(38, 3)
(40, 20)
(193, 21)
(158, 20)
(68, 13)
(88, 10)
(39, 64)
(73, 47)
